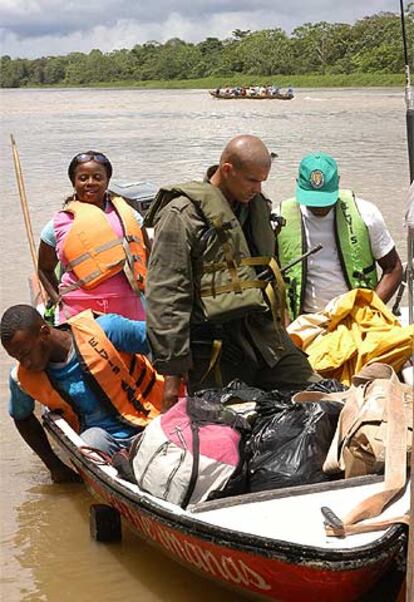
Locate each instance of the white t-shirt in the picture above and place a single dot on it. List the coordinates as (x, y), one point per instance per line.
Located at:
(325, 278)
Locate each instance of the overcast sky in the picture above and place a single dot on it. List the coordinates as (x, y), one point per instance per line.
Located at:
(34, 28)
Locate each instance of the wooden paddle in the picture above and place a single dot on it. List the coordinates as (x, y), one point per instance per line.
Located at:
(26, 215)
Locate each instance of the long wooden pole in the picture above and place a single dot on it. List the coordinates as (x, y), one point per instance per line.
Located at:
(410, 279)
(26, 215)
(410, 557)
(409, 100)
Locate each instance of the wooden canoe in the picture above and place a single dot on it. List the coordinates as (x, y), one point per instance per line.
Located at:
(224, 96)
(269, 545)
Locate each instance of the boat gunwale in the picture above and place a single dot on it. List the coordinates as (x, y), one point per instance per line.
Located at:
(334, 559)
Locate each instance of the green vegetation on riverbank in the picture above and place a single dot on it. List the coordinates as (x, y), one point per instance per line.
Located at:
(367, 53)
(355, 80)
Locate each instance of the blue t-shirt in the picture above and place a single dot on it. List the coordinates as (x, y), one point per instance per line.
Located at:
(126, 335)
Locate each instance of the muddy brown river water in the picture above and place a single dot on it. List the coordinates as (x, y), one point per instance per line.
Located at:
(160, 136)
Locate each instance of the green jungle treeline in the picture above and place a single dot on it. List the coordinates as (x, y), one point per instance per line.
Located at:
(369, 52)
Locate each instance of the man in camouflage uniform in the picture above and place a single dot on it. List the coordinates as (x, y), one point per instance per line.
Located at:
(214, 304)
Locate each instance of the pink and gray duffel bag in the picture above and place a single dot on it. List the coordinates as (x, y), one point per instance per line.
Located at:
(189, 452)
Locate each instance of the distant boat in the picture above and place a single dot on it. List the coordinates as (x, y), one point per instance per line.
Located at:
(232, 96)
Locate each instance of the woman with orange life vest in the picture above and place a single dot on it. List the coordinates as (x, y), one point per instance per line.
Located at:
(99, 242)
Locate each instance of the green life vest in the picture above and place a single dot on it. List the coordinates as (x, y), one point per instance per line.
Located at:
(353, 243)
(226, 282)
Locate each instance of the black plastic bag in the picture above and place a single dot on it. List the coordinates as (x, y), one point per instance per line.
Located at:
(235, 391)
(289, 442)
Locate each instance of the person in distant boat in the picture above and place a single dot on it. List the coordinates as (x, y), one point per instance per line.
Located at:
(214, 292)
(93, 370)
(290, 91)
(99, 243)
(353, 234)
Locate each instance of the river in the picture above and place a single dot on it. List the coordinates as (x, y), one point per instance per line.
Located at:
(163, 136)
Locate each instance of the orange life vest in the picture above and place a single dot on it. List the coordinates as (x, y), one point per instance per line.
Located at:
(124, 381)
(95, 253)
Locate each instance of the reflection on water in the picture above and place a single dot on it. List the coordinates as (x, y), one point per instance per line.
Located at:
(162, 136)
(52, 541)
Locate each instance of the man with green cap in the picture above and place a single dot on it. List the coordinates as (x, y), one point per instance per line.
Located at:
(353, 235)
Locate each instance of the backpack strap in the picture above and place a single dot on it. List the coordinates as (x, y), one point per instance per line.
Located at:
(195, 467)
(348, 417)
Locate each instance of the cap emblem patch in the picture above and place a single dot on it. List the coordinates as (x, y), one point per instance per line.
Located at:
(317, 179)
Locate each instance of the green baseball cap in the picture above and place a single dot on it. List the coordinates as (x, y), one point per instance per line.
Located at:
(318, 181)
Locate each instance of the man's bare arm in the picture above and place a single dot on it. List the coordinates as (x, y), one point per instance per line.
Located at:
(391, 275)
(34, 435)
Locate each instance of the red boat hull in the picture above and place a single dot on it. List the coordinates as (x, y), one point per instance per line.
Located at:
(257, 567)
(267, 578)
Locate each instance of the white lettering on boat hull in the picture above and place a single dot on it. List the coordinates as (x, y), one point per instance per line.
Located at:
(231, 569)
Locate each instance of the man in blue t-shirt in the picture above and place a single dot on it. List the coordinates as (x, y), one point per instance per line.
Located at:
(41, 348)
